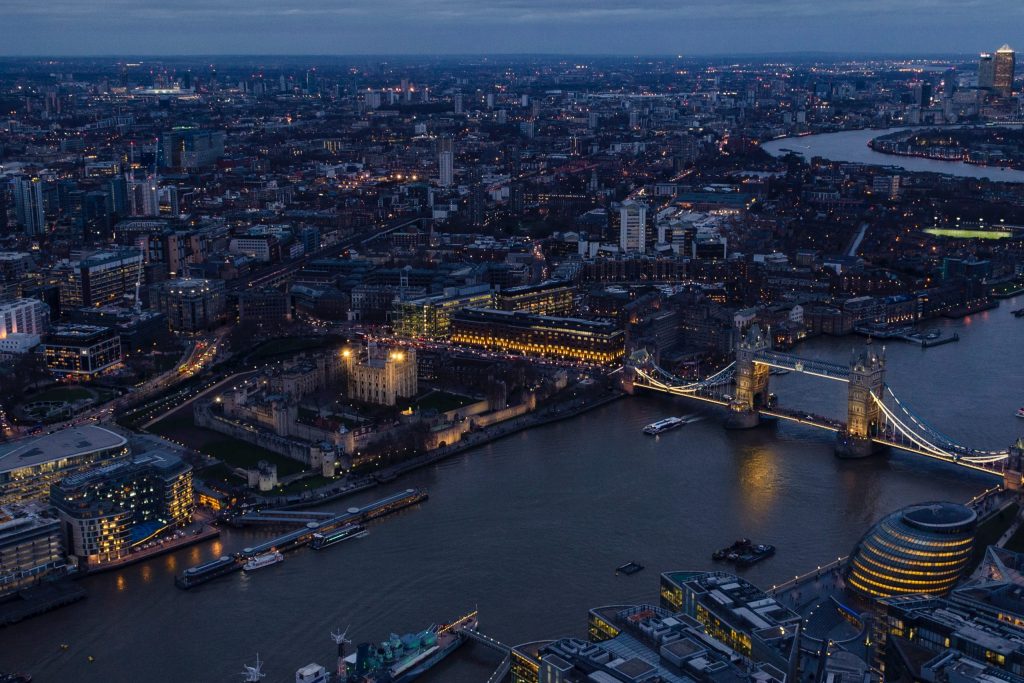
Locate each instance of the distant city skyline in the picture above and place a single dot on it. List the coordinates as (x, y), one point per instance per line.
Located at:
(346, 27)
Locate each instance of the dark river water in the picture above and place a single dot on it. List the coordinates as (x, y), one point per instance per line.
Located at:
(529, 529)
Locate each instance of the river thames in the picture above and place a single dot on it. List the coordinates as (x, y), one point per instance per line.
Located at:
(852, 145)
(530, 528)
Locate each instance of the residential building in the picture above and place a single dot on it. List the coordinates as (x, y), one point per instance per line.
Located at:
(30, 547)
(108, 511)
(23, 316)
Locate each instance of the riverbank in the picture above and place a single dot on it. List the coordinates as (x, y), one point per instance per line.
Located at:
(207, 533)
(39, 600)
(852, 146)
(540, 417)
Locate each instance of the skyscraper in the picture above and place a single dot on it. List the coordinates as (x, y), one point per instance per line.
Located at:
(446, 161)
(1005, 65)
(28, 205)
(986, 71)
(632, 226)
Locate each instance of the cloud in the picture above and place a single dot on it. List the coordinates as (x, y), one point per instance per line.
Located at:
(446, 26)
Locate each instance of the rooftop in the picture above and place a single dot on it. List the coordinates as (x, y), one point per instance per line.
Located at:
(66, 443)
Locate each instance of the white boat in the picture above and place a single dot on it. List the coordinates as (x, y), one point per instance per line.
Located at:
(264, 560)
(1020, 412)
(663, 425)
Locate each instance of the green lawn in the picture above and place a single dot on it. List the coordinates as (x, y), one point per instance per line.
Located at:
(219, 474)
(241, 454)
(305, 484)
(179, 427)
(443, 401)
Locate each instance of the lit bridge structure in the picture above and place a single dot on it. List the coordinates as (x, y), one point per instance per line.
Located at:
(876, 417)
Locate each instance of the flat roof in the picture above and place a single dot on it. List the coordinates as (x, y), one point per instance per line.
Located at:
(65, 443)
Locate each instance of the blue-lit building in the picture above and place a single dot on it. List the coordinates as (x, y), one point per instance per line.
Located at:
(106, 512)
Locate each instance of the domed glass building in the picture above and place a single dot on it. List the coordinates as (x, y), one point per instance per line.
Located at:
(920, 549)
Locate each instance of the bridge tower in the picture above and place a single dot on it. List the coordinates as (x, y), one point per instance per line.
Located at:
(867, 377)
(751, 380)
(1013, 475)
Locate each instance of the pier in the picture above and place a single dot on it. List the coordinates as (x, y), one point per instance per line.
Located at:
(309, 523)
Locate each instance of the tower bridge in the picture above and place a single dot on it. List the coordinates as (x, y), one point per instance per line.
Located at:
(875, 416)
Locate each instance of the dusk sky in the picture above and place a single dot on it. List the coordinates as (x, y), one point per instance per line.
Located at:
(688, 27)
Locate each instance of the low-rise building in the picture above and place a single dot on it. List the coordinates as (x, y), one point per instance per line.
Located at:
(430, 317)
(84, 350)
(30, 547)
(734, 612)
(28, 466)
(589, 341)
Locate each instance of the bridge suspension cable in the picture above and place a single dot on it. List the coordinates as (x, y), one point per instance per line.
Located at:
(924, 437)
(665, 381)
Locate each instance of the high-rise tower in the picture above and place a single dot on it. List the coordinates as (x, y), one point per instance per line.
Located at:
(1005, 65)
(446, 161)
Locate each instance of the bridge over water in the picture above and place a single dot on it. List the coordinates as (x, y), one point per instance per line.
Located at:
(876, 417)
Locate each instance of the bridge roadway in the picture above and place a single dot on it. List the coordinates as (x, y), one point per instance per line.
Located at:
(820, 422)
(808, 366)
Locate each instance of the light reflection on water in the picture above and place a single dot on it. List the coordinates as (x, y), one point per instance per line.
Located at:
(530, 528)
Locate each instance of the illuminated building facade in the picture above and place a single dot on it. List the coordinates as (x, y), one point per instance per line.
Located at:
(84, 350)
(632, 226)
(380, 375)
(734, 612)
(588, 341)
(106, 512)
(982, 622)
(430, 317)
(29, 466)
(446, 161)
(1005, 67)
(100, 279)
(553, 297)
(24, 316)
(920, 549)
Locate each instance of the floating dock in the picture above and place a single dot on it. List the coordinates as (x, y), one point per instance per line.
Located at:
(310, 524)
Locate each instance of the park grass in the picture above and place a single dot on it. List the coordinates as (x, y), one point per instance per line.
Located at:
(179, 427)
(443, 401)
(219, 474)
(304, 484)
(245, 455)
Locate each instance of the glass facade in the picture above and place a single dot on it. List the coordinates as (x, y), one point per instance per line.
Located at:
(107, 511)
(919, 549)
